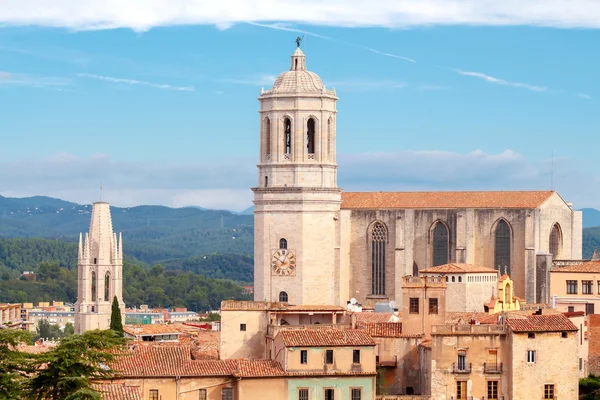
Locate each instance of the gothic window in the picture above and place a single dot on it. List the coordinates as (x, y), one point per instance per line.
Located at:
(282, 243)
(93, 286)
(283, 297)
(107, 287)
(441, 247)
(415, 269)
(328, 138)
(287, 137)
(266, 181)
(507, 294)
(310, 136)
(378, 240)
(502, 244)
(555, 241)
(268, 136)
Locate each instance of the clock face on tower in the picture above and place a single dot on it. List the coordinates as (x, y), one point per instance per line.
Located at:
(283, 262)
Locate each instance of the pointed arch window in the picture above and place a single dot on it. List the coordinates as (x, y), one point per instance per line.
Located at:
(328, 138)
(283, 297)
(282, 243)
(378, 241)
(502, 245)
(441, 246)
(555, 241)
(268, 136)
(107, 287)
(310, 136)
(93, 286)
(287, 136)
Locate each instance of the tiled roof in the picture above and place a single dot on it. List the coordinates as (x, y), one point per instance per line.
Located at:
(118, 391)
(383, 329)
(258, 368)
(541, 323)
(452, 318)
(151, 329)
(457, 268)
(325, 337)
(589, 266)
(371, 317)
(389, 200)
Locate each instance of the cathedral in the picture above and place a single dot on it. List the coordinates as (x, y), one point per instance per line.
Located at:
(99, 272)
(316, 244)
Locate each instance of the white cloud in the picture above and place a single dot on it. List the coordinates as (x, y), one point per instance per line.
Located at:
(35, 81)
(503, 82)
(367, 84)
(584, 96)
(226, 183)
(142, 15)
(136, 82)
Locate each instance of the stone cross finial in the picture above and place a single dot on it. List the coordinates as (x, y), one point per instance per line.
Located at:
(595, 256)
(505, 270)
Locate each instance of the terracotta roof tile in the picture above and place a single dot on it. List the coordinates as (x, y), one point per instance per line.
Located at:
(259, 368)
(541, 323)
(457, 268)
(325, 337)
(389, 200)
(371, 317)
(118, 391)
(383, 329)
(151, 329)
(589, 266)
(452, 318)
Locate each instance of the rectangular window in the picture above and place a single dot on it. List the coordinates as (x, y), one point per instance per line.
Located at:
(227, 394)
(531, 335)
(303, 356)
(571, 309)
(328, 356)
(302, 394)
(202, 394)
(356, 394)
(243, 327)
(414, 305)
(433, 305)
(462, 362)
(587, 287)
(580, 364)
(548, 391)
(329, 394)
(356, 356)
(531, 356)
(589, 308)
(571, 287)
(492, 390)
(153, 394)
(598, 287)
(461, 390)
(564, 335)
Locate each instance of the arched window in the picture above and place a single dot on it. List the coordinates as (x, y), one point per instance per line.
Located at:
(555, 241)
(453, 279)
(507, 294)
(446, 278)
(460, 279)
(378, 240)
(282, 243)
(107, 287)
(310, 136)
(287, 136)
(502, 244)
(283, 297)
(268, 136)
(93, 286)
(440, 244)
(415, 269)
(328, 138)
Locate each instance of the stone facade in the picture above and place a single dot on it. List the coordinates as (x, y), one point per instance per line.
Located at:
(317, 245)
(99, 272)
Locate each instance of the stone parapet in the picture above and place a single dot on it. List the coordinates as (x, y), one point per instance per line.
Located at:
(468, 330)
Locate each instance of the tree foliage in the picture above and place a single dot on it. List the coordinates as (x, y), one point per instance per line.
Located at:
(116, 321)
(13, 363)
(66, 371)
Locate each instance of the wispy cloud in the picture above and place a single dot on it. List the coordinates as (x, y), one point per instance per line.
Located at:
(35, 81)
(584, 96)
(284, 27)
(144, 15)
(367, 84)
(503, 82)
(137, 82)
(259, 80)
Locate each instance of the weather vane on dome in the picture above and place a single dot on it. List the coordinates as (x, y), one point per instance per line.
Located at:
(298, 41)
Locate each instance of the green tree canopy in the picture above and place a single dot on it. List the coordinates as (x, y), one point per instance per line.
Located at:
(13, 363)
(116, 321)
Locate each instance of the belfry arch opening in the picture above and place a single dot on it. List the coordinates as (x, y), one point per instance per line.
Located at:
(287, 136)
(310, 136)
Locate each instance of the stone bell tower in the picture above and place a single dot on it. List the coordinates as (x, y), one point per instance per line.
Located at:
(99, 272)
(297, 201)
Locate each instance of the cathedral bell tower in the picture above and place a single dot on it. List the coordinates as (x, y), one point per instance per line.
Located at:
(99, 272)
(297, 201)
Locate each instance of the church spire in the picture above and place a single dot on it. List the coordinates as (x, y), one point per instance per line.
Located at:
(298, 60)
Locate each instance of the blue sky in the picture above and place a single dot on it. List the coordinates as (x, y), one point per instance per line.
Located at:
(159, 102)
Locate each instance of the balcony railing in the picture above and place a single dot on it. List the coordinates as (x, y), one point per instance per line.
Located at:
(467, 329)
(492, 368)
(461, 369)
(386, 361)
